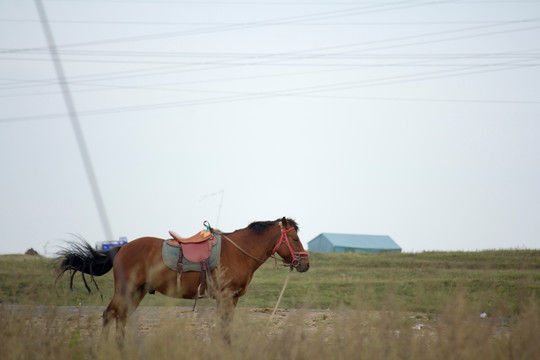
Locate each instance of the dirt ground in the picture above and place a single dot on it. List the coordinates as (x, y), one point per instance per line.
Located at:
(152, 318)
(147, 318)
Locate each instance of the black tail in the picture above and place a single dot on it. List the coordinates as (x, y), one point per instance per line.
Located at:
(82, 257)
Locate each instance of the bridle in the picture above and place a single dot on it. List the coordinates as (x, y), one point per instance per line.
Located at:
(297, 255)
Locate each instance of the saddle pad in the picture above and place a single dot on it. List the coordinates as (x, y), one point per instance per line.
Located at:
(170, 257)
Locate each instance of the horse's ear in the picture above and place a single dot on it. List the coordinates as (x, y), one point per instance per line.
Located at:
(284, 222)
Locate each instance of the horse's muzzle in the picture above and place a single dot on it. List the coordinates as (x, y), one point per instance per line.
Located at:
(303, 266)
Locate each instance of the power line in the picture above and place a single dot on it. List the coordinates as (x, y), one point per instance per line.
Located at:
(257, 3)
(263, 23)
(302, 54)
(298, 92)
(332, 58)
(291, 23)
(294, 63)
(512, 55)
(280, 57)
(516, 55)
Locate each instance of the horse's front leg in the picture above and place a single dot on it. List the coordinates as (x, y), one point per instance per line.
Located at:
(226, 306)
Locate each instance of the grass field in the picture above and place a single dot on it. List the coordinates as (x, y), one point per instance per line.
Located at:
(495, 281)
(389, 306)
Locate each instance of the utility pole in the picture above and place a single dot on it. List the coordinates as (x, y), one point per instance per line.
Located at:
(72, 112)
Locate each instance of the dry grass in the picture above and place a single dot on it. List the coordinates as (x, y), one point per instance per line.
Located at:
(164, 333)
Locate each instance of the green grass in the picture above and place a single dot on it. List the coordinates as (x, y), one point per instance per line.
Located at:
(499, 281)
(424, 282)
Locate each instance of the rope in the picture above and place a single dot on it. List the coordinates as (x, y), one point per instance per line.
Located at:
(254, 258)
(242, 250)
(281, 295)
(261, 261)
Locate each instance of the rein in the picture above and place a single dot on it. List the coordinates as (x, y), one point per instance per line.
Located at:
(297, 255)
(242, 250)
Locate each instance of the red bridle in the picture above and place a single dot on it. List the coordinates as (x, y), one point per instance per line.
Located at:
(297, 255)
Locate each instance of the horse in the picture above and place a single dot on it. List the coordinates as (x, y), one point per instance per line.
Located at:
(139, 269)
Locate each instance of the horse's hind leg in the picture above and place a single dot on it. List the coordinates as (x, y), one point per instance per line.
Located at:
(114, 312)
(108, 315)
(120, 307)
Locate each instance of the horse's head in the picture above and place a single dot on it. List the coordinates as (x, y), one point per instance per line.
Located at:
(289, 246)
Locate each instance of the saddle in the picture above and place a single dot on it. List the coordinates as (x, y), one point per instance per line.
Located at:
(196, 249)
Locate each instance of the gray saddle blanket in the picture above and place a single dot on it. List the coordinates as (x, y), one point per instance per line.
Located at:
(170, 255)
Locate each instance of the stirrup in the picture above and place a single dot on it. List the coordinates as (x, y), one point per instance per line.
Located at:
(199, 296)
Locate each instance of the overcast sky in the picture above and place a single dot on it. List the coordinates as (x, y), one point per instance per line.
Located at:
(414, 119)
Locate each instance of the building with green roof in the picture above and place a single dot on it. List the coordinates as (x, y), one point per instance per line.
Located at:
(331, 242)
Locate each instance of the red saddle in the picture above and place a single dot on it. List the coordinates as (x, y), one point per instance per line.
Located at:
(196, 248)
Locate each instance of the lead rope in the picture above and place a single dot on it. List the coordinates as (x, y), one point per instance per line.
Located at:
(259, 260)
(281, 295)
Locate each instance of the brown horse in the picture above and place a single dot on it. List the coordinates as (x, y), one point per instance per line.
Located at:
(139, 269)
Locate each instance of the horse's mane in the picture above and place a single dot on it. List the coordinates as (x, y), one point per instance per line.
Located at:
(261, 226)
